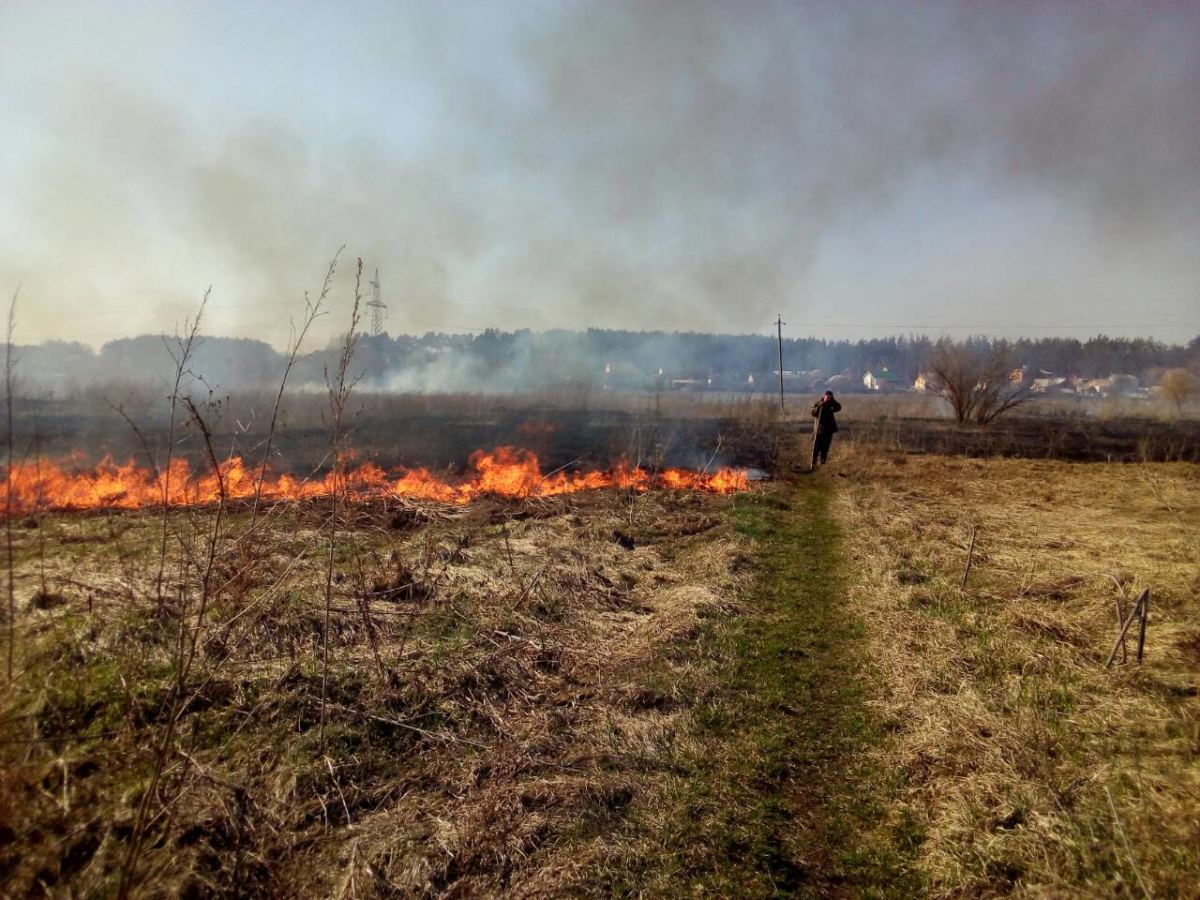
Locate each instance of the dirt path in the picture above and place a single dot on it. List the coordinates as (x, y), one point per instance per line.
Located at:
(782, 801)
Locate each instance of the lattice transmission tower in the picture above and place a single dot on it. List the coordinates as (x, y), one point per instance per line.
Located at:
(377, 306)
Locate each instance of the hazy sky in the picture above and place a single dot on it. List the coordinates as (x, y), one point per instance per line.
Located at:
(864, 168)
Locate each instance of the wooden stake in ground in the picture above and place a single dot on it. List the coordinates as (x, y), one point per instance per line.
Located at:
(970, 557)
(1120, 622)
(1136, 612)
(1142, 624)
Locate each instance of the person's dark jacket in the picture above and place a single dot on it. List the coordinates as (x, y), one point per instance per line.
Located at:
(823, 411)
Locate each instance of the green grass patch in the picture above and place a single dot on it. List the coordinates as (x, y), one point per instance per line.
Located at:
(783, 800)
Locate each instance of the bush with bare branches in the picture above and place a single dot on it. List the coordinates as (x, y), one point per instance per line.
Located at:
(1177, 386)
(978, 382)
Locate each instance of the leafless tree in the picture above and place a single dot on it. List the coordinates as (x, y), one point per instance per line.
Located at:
(978, 382)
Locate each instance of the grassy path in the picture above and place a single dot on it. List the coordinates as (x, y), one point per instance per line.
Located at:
(782, 801)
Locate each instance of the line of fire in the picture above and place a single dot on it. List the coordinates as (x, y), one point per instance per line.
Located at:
(509, 473)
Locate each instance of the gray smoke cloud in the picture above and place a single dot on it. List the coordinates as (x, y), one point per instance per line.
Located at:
(632, 164)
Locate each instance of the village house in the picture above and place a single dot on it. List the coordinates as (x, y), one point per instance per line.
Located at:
(883, 380)
(1049, 383)
(1115, 385)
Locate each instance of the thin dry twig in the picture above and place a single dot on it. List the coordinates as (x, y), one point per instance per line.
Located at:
(339, 392)
(9, 367)
(185, 345)
(311, 311)
(1137, 873)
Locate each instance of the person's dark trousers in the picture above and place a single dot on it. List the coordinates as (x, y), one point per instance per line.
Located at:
(821, 448)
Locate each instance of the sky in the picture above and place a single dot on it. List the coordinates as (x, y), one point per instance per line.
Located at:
(863, 169)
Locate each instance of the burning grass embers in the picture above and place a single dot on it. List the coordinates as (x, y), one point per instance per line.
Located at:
(1027, 765)
(487, 721)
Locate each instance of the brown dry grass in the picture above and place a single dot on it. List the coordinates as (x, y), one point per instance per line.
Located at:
(505, 724)
(1028, 766)
(521, 696)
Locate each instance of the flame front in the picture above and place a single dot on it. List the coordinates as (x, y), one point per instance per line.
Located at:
(507, 472)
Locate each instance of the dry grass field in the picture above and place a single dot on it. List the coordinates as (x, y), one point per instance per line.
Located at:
(783, 692)
(486, 715)
(1026, 765)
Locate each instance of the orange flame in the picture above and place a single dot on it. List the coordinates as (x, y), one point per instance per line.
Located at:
(505, 472)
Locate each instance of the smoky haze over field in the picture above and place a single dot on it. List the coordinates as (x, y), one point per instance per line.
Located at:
(864, 168)
(502, 362)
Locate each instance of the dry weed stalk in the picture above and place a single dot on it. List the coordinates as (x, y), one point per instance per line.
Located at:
(339, 392)
(312, 309)
(9, 368)
(188, 641)
(184, 347)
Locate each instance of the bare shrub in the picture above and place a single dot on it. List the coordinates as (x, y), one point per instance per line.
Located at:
(1178, 386)
(979, 383)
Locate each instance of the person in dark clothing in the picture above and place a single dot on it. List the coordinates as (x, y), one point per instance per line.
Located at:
(824, 428)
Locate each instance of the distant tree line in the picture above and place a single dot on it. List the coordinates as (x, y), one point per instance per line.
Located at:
(507, 360)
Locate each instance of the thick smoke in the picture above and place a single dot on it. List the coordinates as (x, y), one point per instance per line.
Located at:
(688, 164)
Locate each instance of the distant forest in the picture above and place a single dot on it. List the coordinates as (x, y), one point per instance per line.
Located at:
(621, 360)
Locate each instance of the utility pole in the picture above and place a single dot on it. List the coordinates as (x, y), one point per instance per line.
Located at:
(779, 323)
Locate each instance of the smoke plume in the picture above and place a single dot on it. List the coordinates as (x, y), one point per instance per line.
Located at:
(864, 168)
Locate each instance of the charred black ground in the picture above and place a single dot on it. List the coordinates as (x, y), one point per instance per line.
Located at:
(440, 433)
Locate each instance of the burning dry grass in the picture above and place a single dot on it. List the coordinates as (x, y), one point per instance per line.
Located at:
(488, 709)
(1027, 765)
(507, 472)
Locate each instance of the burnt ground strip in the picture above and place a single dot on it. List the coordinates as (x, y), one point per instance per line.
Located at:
(432, 440)
(1034, 437)
(444, 440)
